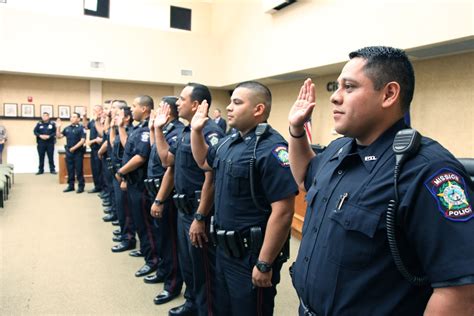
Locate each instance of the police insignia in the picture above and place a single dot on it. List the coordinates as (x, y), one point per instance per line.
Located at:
(145, 136)
(281, 154)
(447, 188)
(213, 139)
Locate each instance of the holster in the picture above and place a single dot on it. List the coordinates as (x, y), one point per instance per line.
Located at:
(109, 164)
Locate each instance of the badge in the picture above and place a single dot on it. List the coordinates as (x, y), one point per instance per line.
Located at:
(281, 154)
(213, 139)
(448, 189)
(41, 126)
(50, 126)
(145, 137)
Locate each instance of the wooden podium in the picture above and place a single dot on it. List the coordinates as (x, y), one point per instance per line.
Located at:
(63, 169)
(298, 218)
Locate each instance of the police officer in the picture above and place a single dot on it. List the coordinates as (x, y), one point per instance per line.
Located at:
(160, 184)
(251, 227)
(45, 132)
(194, 199)
(75, 139)
(344, 265)
(132, 175)
(94, 143)
(121, 127)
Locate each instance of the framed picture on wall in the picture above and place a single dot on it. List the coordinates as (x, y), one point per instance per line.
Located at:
(46, 108)
(64, 111)
(80, 109)
(10, 109)
(27, 110)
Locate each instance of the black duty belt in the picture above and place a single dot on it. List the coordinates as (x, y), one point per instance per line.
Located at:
(186, 204)
(152, 186)
(237, 244)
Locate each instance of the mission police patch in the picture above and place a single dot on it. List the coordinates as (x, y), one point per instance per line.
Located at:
(281, 154)
(448, 189)
(213, 138)
(145, 137)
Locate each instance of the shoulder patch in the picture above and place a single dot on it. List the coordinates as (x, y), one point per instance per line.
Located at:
(280, 152)
(213, 138)
(448, 189)
(145, 137)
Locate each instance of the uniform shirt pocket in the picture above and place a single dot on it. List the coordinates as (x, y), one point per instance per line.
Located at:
(351, 238)
(238, 177)
(309, 198)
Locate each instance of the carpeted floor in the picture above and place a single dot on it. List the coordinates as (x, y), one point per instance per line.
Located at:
(55, 258)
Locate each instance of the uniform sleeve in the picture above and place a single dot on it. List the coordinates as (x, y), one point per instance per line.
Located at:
(310, 173)
(211, 155)
(64, 131)
(36, 130)
(142, 147)
(277, 180)
(439, 220)
(212, 137)
(83, 136)
(53, 130)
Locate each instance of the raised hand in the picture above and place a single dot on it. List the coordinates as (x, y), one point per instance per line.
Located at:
(162, 116)
(119, 119)
(151, 119)
(58, 123)
(304, 105)
(200, 117)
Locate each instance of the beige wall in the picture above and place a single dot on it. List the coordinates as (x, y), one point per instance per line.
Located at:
(442, 108)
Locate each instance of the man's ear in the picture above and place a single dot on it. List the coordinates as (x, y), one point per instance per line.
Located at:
(194, 105)
(259, 109)
(391, 94)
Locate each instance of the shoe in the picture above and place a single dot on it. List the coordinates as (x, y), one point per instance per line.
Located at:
(106, 203)
(39, 172)
(153, 279)
(103, 195)
(68, 189)
(146, 269)
(109, 218)
(118, 238)
(117, 232)
(80, 190)
(53, 172)
(94, 190)
(182, 310)
(124, 246)
(136, 253)
(107, 210)
(164, 297)
(115, 223)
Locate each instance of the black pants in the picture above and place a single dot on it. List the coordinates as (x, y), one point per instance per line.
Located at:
(46, 148)
(108, 187)
(168, 245)
(96, 167)
(74, 163)
(124, 215)
(147, 232)
(235, 292)
(198, 269)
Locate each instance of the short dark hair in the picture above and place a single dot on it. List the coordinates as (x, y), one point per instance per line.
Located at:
(386, 64)
(200, 93)
(261, 94)
(120, 103)
(46, 113)
(78, 115)
(171, 100)
(146, 100)
(127, 111)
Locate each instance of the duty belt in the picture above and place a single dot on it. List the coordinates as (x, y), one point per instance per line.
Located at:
(186, 204)
(237, 244)
(152, 186)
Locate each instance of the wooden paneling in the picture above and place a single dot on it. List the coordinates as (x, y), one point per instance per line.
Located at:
(63, 169)
(298, 218)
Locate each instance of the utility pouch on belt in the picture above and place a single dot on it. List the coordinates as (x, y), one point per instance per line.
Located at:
(109, 164)
(157, 183)
(212, 231)
(234, 243)
(256, 240)
(221, 240)
(197, 197)
(182, 203)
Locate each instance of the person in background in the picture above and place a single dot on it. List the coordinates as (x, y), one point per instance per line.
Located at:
(94, 142)
(219, 120)
(3, 139)
(75, 139)
(45, 132)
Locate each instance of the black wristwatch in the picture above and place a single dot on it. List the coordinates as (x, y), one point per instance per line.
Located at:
(158, 202)
(263, 267)
(121, 175)
(199, 217)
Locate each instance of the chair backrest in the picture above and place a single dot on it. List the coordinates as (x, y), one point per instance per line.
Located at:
(468, 163)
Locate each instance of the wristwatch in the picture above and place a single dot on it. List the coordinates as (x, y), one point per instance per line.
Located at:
(121, 175)
(158, 202)
(199, 217)
(263, 267)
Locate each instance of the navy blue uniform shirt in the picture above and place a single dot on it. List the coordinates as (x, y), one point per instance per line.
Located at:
(230, 159)
(188, 177)
(117, 148)
(344, 265)
(45, 128)
(170, 131)
(93, 134)
(73, 134)
(138, 143)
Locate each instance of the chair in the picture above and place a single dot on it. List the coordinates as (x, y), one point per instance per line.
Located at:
(468, 163)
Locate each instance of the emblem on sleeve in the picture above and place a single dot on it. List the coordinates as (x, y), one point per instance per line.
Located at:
(213, 139)
(281, 154)
(448, 189)
(145, 137)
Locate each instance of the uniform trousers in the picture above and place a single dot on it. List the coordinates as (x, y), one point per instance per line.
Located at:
(235, 292)
(46, 148)
(96, 167)
(74, 163)
(124, 215)
(197, 268)
(147, 232)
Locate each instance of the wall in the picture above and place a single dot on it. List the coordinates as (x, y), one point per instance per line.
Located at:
(442, 108)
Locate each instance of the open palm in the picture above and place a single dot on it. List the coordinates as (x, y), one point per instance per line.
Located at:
(162, 116)
(200, 117)
(304, 104)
